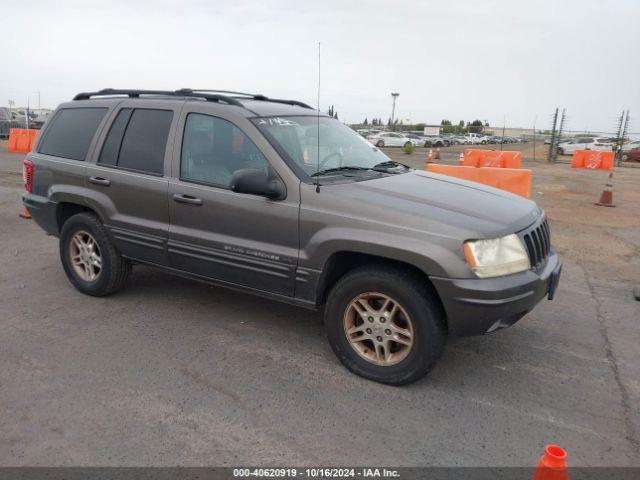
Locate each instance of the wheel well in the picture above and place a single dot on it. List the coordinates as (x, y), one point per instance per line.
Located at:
(342, 262)
(66, 210)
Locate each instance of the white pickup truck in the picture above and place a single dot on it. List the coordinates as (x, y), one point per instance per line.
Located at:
(475, 138)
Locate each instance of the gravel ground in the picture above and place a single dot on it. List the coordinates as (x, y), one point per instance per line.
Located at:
(175, 372)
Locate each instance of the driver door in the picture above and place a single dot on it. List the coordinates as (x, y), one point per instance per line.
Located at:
(234, 238)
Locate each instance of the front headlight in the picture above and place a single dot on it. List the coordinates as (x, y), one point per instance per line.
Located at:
(497, 256)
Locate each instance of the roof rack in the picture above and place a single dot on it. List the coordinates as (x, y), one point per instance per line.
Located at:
(252, 96)
(206, 94)
(185, 92)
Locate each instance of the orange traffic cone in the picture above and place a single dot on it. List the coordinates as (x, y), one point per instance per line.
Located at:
(429, 158)
(25, 213)
(606, 198)
(553, 464)
(461, 159)
(437, 157)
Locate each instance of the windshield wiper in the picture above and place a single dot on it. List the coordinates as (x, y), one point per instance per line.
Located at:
(385, 166)
(339, 169)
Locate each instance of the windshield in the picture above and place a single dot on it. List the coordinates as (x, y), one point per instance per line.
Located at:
(341, 151)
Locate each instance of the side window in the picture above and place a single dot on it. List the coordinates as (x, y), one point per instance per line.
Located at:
(71, 132)
(111, 147)
(145, 141)
(137, 140)
(213, 149)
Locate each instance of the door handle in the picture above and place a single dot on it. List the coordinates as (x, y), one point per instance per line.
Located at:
(182, 198)
(100, 181)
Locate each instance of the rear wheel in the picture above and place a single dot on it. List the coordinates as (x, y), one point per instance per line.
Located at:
(384, 325)
(427, 144)
(380, 144)
(89, 258)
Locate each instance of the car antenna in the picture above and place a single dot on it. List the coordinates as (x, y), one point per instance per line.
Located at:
(318, 126)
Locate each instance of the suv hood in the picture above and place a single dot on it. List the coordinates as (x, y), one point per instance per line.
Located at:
(423, 200)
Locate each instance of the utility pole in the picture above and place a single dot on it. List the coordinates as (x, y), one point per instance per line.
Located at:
(393, 110)
(623, 126)
(504, 124)
(552, 144)
(534, 137)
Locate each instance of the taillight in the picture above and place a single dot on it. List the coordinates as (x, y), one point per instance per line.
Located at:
(27, 175)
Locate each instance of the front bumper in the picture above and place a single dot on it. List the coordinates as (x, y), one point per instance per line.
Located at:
(479, 306)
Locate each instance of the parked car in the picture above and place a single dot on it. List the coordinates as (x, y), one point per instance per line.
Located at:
(476, 138)
(436, 141)
(630, 146)
(271, 198)
(417, 140)
(389, 139)
(584, 143)
(632, 155)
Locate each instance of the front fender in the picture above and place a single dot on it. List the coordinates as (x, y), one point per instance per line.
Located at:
(437, 258)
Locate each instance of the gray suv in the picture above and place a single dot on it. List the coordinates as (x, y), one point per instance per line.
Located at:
(271, 197)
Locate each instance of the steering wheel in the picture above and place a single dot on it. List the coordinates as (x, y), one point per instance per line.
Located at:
(326, 159)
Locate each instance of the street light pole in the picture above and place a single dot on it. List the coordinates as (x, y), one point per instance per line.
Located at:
(393, 109)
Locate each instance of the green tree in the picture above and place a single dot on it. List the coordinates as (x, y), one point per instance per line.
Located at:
(476, 126)
(366, 122)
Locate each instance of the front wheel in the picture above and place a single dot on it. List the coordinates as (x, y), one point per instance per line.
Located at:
(89, 258)
(384, 324)
(380, 144)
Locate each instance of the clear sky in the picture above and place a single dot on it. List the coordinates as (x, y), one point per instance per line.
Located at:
(456, 59)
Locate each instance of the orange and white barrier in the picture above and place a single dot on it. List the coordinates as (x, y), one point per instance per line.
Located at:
(514, 180)
(21, 140)
(593, 159)
(492, 158)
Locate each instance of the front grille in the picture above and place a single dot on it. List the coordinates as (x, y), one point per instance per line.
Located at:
(538, 242)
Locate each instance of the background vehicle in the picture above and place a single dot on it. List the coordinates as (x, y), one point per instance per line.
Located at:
(268, 197)
(389, 139)
(435, 141)
(475, 138)
(584, 143)
(633, 155)
(416, 139)
(634, 144)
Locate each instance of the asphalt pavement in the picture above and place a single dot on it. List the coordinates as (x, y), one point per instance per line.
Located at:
(175, 372)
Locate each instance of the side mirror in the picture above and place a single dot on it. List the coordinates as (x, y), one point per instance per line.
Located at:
(258, 182)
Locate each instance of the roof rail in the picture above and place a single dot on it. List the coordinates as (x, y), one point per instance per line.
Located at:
(185, 92)
(206, 94)
(252, 96)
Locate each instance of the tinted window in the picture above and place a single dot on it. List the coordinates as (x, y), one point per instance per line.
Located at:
(213, 149)
(111, 147)
(145, 141)
(71, 132)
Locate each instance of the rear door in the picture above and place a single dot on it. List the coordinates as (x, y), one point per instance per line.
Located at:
(235, 238)
(127, 178)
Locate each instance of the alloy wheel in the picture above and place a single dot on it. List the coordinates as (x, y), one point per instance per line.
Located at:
(378, 328)
(85, 256)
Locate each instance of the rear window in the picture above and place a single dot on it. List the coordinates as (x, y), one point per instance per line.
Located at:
(137, 140)
(71, 132)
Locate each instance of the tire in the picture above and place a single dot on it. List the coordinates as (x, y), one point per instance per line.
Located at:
(114, 269)
(380, 144)
(427, 144)
(559, 151)
(413, 296)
